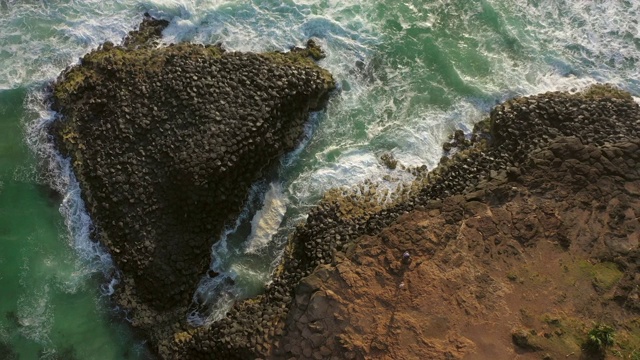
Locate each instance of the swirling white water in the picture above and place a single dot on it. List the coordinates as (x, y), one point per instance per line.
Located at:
(410, 73)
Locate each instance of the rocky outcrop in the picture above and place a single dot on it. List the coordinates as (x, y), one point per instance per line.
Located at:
(165, 142)
(515, 247)
(512, 248)
(494, 213)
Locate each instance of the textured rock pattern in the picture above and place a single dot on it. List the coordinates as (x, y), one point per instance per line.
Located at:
(568, 161)
(166, 142)
(194, 126)
(543, 254)
(524, 131)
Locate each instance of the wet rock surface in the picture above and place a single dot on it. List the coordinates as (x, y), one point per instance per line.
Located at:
(514, 247)
(165, 142)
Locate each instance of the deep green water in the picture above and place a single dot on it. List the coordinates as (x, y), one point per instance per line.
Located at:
(48, 302)
(410, 72)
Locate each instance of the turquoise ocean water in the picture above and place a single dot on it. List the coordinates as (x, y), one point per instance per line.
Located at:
(410, 73)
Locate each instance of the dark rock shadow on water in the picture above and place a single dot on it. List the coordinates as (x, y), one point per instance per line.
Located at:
(7, 351)
(53, 197)
(12, 319)
(138, 349)
(369, 71)
(137, 346)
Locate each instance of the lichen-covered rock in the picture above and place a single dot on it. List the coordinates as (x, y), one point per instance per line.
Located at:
(166, 141)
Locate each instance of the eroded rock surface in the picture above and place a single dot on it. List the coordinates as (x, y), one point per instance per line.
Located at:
(516, 247)
(165, 142)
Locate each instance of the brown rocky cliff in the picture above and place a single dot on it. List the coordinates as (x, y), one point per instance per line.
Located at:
(520, 265)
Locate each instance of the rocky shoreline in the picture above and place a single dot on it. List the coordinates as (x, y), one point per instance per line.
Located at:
(166, 142)
(518, 247)
(515, 246)
(545, 192)
(579, 149)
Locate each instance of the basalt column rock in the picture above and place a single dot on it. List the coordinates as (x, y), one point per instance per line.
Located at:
(537, 227)
(166, 141)
(300, 315)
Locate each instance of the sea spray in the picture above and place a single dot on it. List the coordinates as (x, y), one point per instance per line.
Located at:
(39, 40)
(35, 315)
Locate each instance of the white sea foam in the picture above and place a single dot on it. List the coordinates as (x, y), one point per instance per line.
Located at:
(267, 220)
(256, 26)
(213, 298)
(38, 40)
(593, 41)
(59, 175)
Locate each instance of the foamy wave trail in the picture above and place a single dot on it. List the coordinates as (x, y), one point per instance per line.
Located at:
(213, 299)
(221, 252)
(259, 26)
(58, 173)
(267, 220)
(35, 316)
